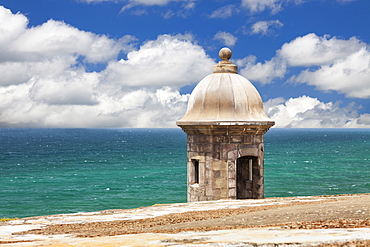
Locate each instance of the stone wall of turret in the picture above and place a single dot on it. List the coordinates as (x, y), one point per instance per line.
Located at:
(215, 150)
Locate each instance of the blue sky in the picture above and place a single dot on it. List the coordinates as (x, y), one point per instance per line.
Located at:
(133, 63)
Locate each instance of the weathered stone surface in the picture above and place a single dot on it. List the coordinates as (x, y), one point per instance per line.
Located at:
(232, 183)
(217, 157)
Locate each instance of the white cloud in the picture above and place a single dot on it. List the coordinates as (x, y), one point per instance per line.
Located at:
(189, 4)
(169, 14)
(55, 38)
(307, 112)
(224, 12)
(225, 38)
(141, 107)
(362, 122)
(344, 65)
(340, 65)
(312, 50)
(39, 69)
(44, 85)
(12, 26)
(264, 27)
(168, 60)
(136, 108)
(73, 88)
(186, 4)
(263, 72)
(255, 6)
(349, 76)
(184, 11)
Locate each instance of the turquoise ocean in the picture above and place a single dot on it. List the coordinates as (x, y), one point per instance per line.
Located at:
(52, 171)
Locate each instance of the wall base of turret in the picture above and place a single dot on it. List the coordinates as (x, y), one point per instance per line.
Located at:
(225, 162)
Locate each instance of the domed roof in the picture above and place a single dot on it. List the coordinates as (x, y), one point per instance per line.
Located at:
(225, 97)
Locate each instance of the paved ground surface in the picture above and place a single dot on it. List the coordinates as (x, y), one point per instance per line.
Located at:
(342, 220)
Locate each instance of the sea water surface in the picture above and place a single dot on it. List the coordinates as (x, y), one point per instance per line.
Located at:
(51, 171)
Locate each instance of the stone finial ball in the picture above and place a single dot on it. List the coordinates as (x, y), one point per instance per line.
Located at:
(225, 54)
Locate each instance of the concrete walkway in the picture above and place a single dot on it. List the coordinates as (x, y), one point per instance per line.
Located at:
(267, 236)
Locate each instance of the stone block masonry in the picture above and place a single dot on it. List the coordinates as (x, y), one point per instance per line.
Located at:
(216, 154)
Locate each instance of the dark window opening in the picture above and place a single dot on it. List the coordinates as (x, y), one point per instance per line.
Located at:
(245, 170)
(195, 164)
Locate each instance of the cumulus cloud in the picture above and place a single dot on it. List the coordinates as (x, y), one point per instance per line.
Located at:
(136, 108)
(168, 60)
(265, 72)
(307, 112)
(12, 25)
(43, 84)
(53, 38)
(349, 76)
(344, 65)
(50, 50)
(312, 50)
(73, 88)
(225, 38)
(333, 65)
(362, 122)
(265, 27)
(27, 47)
